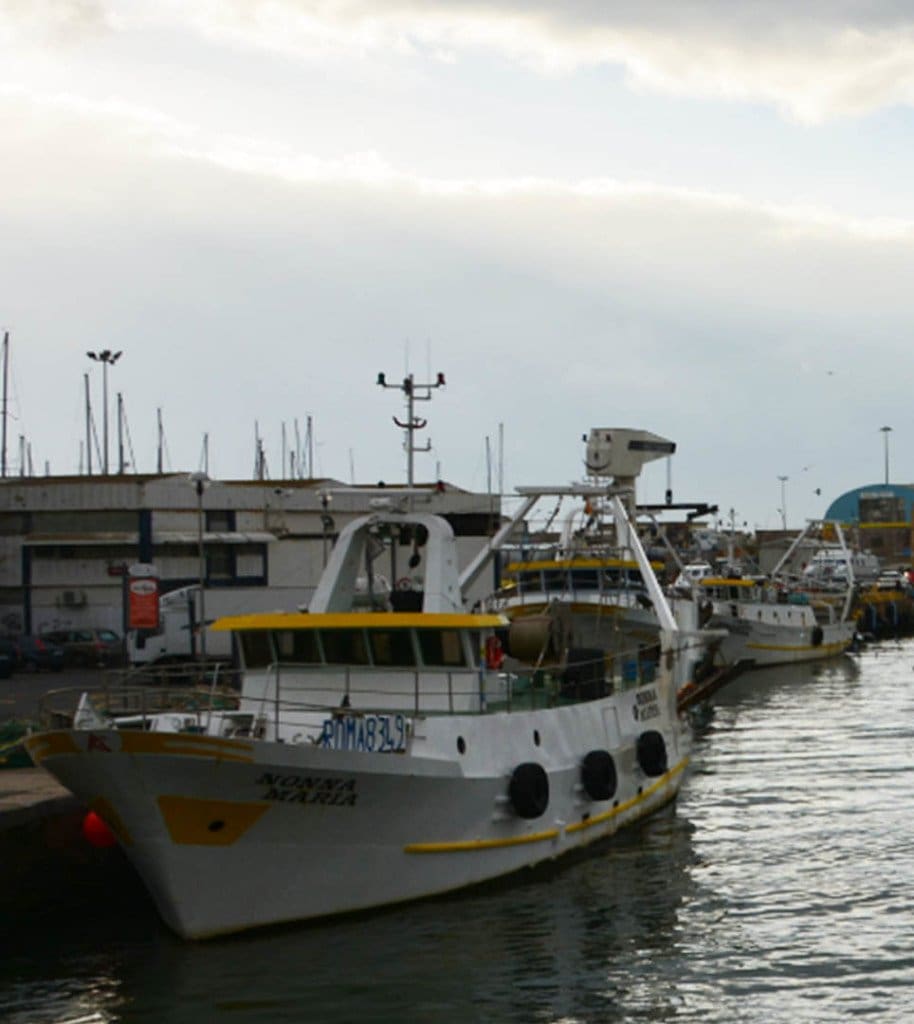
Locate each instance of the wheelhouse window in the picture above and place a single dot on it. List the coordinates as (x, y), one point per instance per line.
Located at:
(530, 580)
(391, 647)
(442, 647)
(584, 579)
(256, 648)
(554, 579)
(297, 646)
(344, 646)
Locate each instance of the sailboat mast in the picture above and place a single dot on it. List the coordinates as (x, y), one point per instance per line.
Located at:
(6, 364)
(88, 426)
(160, 441)
(120, 433)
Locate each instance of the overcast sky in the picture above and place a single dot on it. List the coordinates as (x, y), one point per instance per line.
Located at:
(691, 217)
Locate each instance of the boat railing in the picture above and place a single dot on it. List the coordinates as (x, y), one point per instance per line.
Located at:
(136, 704)
(581, 674)
(285, 696)
(588, 585)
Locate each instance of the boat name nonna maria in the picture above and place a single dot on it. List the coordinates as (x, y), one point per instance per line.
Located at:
(305, 789)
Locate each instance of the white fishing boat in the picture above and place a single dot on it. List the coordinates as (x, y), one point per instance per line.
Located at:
(778, 619)
(374, 756)
(582, 589)
(835, 563)
(769, 625)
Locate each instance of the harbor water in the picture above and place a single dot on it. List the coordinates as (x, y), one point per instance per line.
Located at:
(778, 888)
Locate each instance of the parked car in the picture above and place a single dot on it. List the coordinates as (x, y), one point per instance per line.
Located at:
(8, 656)
(38, 652)
(87, 646)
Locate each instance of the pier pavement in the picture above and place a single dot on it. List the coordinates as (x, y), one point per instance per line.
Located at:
(43, 851)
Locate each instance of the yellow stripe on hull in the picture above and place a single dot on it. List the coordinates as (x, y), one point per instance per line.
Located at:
(49, 744)
(576, 563)
(794, 649)
(472, 845)
(596, 609)
(181, 744)
(358, 620)
(135, 741)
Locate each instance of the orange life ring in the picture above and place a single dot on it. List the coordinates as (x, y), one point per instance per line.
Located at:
(495, 656)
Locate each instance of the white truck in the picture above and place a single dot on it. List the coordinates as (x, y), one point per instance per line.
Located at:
(178, 635)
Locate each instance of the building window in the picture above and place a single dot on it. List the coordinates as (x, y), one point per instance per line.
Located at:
(220, 520)
(251, 562)
(220, 562)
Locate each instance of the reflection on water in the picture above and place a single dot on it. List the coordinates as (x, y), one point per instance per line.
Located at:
(777, 889)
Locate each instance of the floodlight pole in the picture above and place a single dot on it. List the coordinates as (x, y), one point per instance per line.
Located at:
(783, 480)
(107, 358)
(885, 433)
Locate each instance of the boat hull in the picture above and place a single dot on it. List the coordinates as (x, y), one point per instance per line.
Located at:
(764, 644)
(236, 834)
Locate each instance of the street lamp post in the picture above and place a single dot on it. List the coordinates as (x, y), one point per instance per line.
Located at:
(885, 433)
(200, 481)
(107, 358)
(783, 480)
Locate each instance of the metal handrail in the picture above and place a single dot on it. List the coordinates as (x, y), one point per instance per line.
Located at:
(515, 685)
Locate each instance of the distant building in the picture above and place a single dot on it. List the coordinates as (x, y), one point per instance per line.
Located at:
(67, 543)
(880, 518)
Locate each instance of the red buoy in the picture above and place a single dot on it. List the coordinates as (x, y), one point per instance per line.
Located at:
(97, 832)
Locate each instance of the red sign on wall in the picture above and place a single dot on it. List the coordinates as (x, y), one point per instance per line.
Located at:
(143, 602)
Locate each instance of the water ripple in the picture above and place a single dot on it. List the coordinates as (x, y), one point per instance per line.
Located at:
(778, 889)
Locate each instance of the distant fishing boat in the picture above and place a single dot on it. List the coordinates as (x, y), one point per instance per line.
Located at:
(776, 619)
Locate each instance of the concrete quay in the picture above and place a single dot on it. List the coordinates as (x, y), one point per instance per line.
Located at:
(42, 848)
(28, 795)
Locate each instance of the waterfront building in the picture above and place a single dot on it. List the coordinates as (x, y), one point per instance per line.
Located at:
(67, 543)
(881, 519)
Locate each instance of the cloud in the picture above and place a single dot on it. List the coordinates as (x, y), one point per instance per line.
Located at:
(60, 22)
(248, 280)
(812, 61)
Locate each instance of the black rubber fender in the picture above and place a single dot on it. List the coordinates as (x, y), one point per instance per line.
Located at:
(528, 790)
(598, 775)
(651, 753)
(817, 636)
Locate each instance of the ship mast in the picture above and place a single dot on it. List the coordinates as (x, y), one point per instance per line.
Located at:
(6, 365)
(414, 393)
